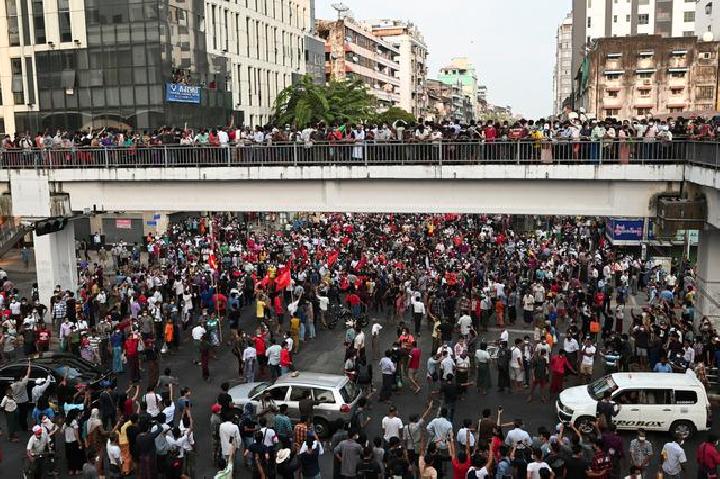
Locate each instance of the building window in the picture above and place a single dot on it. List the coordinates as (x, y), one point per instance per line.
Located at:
(689, 16)
(251, 78)
(708, 8)
(12, 23)
(644, 110)
(25, 15)
(213, 20)
(64, 21)
(677, 74)
(227, 31)
(38, 21)
(612, 94)
(30, 80)
(247, 36)
(589, 23)
(644, 92)
(17, 81)
(643, 19)
(675, 109)
(627, 18)
(676, 90)
(610, 112)
(705, 93)
(689, 33)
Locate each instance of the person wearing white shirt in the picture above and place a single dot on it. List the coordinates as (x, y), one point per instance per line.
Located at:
(447, 365)
(465, 323)
(273, 358)
(323, 301)
(249, 359)
(504, 335)
(462, 434)
(418, 312)
(391, 425)
(223, 137)
(228, 432)
(517, 435)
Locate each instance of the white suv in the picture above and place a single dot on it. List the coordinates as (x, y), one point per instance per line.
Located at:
(654, 401)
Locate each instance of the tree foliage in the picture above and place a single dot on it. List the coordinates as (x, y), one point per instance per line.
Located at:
(393, 114)
(307, 103)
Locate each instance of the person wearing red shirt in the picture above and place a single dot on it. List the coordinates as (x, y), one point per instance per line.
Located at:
(461, 461)
(43, 338)
(354, 301)
(285, 358)
(278, 308)
(414, 365)
(708, 457)
(558, 365)
(259, 341)
(131, 352)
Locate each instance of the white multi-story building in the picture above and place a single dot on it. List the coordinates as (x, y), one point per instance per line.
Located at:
(264, 43)
(78, 64)
(595, 19)
(707, 19)
(562, 74)
(413, 62)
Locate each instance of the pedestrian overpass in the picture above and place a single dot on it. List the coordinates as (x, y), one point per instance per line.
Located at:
(589, 179)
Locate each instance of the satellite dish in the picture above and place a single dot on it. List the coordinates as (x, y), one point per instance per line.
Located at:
(708, 37)
(341, 9)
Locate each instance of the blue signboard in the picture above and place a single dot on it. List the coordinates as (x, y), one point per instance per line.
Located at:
(179, 93)
(156, 216)
(151, 223)
(625, 231)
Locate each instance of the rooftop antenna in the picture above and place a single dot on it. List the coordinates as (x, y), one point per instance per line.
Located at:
(341, 9)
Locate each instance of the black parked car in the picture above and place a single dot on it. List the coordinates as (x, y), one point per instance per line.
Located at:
(56, 365)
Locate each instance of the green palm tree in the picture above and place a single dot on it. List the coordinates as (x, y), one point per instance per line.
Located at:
(306, 103)
(301, 104)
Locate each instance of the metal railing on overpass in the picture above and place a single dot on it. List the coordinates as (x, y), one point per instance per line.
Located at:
(641, 151)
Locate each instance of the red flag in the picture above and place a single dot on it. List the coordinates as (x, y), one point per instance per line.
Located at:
(265, 281)
(283, 281)
(212, 261)
(332, 258)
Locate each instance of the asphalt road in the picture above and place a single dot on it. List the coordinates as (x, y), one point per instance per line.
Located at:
(325, 354)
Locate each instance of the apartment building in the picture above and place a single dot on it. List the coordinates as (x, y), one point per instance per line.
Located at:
(595, 19)
(80, 64)
(707, 19)
(562, 73)
(448, 102)
(406, 37)
(461, 71)
(266, 48)
(352, 50)
(649, 75)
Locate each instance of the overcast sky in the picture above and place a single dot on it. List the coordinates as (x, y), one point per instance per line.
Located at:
(511, 42)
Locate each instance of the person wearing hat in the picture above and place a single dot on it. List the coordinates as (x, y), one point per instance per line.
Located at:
(284, 467)
(37, 447)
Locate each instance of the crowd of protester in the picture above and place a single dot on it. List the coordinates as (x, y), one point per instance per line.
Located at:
(696, 128)
(457, 280)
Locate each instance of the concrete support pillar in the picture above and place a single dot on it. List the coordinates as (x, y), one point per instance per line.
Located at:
(56, 262)
(33, 199)
(708, 274)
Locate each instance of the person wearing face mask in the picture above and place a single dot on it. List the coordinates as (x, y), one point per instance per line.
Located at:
(358, 135)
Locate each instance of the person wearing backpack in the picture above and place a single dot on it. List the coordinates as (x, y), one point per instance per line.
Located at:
(503, 365)
(504, 468)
